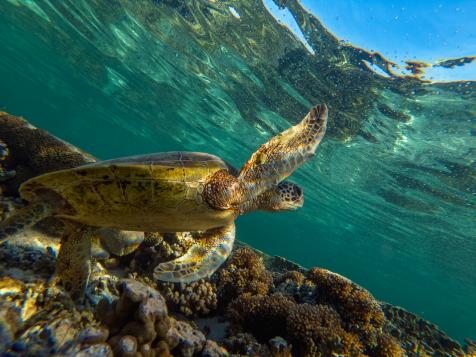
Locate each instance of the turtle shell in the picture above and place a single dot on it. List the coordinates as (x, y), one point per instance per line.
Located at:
(157, 192)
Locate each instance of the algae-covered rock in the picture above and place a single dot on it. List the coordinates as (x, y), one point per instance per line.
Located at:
(212, 349)
(93, 335)
(126, 346)
(32, 152)
(39, 321)
(140, 312)
(96, 350)
(185, 339)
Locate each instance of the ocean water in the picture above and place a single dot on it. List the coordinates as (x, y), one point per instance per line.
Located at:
(390, 196)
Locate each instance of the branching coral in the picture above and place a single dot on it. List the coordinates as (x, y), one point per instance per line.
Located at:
(195, 299)
(317, 331)
(313, 329)
(387, 346)
(265, 316)
(245, 344)
(243, 273)
(360, 312)
(291, 276)
(294, 284)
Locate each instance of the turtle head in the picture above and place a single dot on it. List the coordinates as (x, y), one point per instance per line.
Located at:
(286, 196)
(273, 162)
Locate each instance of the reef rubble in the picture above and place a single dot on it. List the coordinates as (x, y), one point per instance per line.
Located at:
(254, 305)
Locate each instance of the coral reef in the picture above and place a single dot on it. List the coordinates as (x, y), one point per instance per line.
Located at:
(292, 276)
(276, 315)
(294, 284)
(312, 329)
(317, 331)
(419, 337)
(245, 344)
(243, 273)
(184, 338)
(470, 348)
(387, 346)
(360, 312)
(263, 315)
(320, 313)
(270, 306)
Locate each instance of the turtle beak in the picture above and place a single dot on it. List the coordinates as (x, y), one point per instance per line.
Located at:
(298, 197)
(299, 202)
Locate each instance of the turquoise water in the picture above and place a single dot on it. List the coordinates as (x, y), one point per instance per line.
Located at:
(390, 196)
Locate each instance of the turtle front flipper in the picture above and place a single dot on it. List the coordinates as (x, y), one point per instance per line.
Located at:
(202, 259)
(284, 153)
(73, 265)
(24, 217)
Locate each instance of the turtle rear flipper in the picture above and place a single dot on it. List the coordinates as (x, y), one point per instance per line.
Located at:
(73, 266)
(202, 259)
(284, 153)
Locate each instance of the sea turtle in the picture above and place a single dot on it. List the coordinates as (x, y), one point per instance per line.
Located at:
(167, 192)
